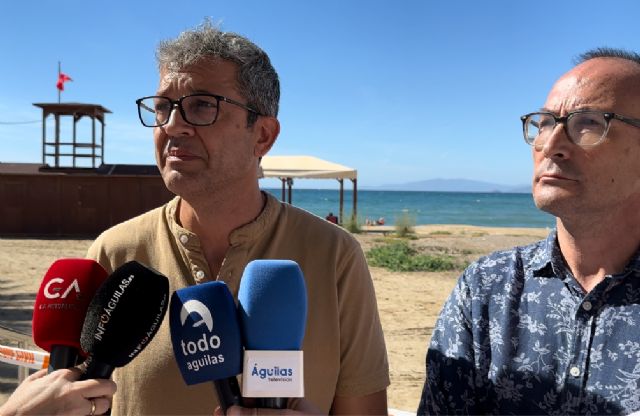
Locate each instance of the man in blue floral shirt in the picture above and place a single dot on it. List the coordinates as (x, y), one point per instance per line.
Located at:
(554, 327)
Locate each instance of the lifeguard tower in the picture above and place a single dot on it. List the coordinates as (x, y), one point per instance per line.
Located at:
(66, 150)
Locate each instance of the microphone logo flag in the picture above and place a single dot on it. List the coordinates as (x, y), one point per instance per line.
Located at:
(194, 306)
(52, 292)
(273, 373)
(207, 342)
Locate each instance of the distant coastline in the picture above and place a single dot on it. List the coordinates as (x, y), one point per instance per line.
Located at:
(489, 209)
(452, 185)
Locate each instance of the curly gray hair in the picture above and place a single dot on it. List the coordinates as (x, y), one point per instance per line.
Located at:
(257, 79)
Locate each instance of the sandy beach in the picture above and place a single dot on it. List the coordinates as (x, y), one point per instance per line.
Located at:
(409, 302)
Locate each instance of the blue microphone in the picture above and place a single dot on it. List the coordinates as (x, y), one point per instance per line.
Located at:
(206, 338)
(272, 302)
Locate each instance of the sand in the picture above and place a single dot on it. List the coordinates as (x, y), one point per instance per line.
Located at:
(409, 302)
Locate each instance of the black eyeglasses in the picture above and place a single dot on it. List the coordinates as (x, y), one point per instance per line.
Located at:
(584, 128)
(196, 109)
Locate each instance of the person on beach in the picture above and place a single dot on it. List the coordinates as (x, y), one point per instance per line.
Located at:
(59, 393)
(213, 118)
(331, 218)
(554, 327)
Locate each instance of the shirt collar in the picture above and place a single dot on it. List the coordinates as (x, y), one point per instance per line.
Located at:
(549, 255)
(546, 254)
(240, 235)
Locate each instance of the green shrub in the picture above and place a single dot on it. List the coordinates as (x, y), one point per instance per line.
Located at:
(405, 224)
(351, 224)
(440, 232)
(398, 256)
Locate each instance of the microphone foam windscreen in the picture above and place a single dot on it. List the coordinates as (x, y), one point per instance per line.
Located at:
(125, 314)
(272, 302)
(205, 333)
(62, 302)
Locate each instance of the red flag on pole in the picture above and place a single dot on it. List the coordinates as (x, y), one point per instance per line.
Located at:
(62, 78)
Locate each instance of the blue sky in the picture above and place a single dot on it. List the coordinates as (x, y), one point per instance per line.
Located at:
(400, 90)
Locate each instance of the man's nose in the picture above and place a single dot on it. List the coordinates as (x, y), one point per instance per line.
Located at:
(177, 126)
(558, 145)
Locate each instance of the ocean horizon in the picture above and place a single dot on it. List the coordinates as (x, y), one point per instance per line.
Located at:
(494, 209)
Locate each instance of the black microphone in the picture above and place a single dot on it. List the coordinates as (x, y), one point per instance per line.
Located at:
(123, 317)
(272, 303)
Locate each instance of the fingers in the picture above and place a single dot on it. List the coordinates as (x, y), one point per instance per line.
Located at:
(297, 407)
(254, 411)
(102, 404)
(95, 388)
(68, 374)
(38, 374)
(92, 412)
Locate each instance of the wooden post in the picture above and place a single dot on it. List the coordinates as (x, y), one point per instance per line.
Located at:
(44, 137)
(340, 218)
(93, 141)
(57, 142)
(283, 180)
(354, 214)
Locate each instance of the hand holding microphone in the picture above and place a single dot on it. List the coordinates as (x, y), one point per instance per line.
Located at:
(59, 393)
(299, 408)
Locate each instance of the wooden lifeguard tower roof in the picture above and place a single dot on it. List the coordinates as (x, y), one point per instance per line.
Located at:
(70, 109)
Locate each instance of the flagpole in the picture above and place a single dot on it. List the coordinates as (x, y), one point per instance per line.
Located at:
(59, 71)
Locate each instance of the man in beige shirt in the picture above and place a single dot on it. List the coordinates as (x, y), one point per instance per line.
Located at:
(213, 118)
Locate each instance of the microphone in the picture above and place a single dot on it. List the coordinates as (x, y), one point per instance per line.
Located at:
(60, 308)
(272, 303)
(206, 338)
(123, 317)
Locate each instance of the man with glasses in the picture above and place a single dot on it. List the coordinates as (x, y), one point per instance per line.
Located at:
(554, 327)
(213, 118)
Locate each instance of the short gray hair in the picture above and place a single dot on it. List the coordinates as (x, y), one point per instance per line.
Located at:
(256, 78)
(606, 52)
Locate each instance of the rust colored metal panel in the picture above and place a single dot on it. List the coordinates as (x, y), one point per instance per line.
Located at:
(13, 196)
(124, 194)
(60, 204)
(42, 205)
(135, 196)
(153, 192)
(84, 205)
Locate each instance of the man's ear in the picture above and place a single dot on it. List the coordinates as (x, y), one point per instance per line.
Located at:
(267, 129)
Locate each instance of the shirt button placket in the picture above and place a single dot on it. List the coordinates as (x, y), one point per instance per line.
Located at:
(575, 371)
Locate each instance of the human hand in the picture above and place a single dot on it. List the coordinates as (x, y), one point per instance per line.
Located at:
(298, 407)
(59, 393)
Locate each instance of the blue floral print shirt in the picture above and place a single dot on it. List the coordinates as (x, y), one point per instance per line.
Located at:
(518, 335)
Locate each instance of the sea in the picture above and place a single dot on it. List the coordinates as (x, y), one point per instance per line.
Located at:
(483, 209)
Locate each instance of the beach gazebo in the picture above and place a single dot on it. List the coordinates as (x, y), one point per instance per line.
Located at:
(286, 168)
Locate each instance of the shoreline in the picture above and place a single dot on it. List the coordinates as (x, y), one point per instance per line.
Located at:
(434, 229)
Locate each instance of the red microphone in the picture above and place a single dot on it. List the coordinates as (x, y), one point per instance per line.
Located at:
(61, 306)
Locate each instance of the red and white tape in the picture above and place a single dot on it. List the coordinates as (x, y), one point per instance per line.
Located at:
(24, 358)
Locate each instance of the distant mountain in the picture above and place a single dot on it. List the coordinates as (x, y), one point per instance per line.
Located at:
(452, 185)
